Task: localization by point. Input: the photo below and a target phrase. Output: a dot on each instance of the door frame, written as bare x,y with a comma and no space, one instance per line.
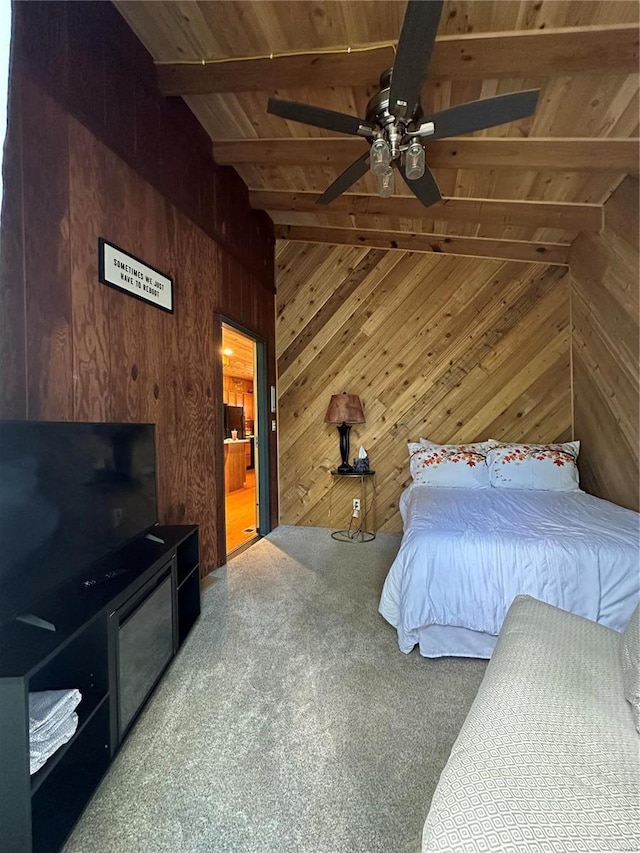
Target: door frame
261,417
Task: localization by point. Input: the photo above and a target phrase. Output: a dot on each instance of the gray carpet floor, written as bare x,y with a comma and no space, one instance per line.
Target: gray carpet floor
290,721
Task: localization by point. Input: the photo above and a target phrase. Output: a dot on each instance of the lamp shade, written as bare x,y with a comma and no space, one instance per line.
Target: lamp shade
344,409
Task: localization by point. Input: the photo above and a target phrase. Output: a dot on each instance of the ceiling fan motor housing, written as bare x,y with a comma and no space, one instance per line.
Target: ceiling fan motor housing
378,114
378,107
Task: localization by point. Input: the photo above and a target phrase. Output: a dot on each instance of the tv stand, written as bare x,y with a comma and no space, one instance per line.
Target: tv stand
105,578
37,813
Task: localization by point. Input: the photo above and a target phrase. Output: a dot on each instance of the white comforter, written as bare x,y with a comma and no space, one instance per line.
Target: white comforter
466,554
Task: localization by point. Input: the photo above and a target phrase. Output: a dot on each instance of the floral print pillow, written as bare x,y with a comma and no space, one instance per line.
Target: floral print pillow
457,466
546,467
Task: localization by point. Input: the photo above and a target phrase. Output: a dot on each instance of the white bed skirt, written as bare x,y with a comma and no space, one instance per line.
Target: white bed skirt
438,641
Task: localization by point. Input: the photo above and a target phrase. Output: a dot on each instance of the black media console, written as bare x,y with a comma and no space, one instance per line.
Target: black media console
116,630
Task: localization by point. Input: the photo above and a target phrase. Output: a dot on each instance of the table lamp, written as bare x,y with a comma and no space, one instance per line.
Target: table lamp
344,410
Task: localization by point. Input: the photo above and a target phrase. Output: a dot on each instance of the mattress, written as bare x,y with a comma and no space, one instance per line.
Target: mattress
467,553
547,759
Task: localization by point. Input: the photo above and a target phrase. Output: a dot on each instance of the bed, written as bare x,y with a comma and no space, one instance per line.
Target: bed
467,553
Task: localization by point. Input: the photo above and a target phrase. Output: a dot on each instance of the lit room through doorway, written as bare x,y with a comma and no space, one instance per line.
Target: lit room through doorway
240,437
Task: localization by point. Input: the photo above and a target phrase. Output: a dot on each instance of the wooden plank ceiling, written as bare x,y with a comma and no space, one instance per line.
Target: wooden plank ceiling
520,191
237,353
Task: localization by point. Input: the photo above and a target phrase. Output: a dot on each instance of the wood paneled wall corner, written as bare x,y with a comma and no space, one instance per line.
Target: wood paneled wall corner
605,298
453,349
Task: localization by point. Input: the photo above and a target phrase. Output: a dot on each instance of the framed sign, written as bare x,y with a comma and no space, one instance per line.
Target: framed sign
119,269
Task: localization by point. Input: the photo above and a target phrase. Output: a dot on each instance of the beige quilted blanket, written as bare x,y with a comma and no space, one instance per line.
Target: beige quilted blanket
548,759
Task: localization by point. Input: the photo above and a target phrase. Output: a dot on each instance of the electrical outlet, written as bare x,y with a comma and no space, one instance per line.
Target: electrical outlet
356,508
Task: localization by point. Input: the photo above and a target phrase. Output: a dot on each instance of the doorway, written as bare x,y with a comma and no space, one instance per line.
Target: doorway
240,425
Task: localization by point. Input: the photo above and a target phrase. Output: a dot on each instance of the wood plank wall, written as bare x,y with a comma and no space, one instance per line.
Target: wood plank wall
448,348
605,311
74,349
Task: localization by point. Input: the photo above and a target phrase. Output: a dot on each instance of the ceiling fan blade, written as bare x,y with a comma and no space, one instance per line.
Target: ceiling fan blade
350,175
318,117
415,45
487,112
425,188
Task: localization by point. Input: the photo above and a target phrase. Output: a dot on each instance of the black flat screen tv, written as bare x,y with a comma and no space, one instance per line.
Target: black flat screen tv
70,494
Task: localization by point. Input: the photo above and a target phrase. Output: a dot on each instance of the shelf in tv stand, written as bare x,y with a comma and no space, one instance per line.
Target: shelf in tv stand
45,771
188,574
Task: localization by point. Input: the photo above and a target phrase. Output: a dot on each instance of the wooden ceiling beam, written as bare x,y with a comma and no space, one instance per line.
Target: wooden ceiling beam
479,247
525,214
474,152
522,53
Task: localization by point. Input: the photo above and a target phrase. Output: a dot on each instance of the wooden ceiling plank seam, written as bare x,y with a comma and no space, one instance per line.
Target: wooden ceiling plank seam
482,247
476,152
468,56
537,214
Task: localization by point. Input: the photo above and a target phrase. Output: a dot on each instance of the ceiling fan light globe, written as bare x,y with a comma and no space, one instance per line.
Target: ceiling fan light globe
414,161
380,157
386,183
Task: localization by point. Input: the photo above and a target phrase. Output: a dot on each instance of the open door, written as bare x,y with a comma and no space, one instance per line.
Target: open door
241,425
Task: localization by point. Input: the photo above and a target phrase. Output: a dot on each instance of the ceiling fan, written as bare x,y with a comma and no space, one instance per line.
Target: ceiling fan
395,122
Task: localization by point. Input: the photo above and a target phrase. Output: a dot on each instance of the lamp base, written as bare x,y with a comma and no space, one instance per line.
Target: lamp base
344,429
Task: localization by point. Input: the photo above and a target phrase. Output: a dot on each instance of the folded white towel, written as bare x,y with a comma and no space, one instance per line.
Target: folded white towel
41,750
47,708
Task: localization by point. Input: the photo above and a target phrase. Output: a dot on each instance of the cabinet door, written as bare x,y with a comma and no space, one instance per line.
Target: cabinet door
247,403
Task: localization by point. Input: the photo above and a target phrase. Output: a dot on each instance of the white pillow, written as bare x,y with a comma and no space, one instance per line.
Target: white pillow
546,467
457,466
